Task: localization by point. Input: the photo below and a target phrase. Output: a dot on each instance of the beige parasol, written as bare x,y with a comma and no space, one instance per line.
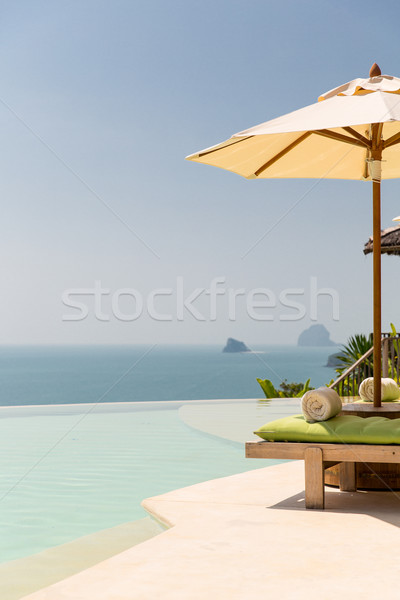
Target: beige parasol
352,132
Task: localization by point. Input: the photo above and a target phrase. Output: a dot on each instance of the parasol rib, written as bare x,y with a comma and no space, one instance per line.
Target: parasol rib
357,135
342,138
362,143
282,153
395,139
232,143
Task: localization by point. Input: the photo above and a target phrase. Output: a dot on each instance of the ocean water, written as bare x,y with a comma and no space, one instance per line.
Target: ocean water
91,374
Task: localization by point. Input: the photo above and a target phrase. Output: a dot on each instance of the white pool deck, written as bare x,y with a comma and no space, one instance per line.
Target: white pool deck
249,536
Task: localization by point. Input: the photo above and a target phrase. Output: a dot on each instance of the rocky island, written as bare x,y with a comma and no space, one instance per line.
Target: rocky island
233,345
315,335
333,360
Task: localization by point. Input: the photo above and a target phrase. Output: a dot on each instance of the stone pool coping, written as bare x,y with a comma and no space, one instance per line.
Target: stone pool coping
248,535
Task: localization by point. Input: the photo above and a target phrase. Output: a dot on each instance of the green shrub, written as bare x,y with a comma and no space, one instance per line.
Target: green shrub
288,390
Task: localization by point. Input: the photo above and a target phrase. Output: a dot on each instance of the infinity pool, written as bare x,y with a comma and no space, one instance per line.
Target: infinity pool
73,470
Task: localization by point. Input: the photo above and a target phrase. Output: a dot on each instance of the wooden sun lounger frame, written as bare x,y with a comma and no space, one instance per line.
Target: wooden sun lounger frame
319,456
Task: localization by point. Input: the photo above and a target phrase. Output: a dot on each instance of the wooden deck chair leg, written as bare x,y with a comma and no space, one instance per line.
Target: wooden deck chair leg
347,477
314,476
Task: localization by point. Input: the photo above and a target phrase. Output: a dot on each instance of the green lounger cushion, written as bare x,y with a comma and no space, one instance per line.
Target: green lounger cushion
346,429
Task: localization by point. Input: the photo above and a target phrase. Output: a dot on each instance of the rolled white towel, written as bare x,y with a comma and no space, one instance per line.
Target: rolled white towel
320,404
389,390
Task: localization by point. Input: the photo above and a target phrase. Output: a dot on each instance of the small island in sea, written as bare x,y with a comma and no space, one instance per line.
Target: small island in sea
233,345
333,360
315,335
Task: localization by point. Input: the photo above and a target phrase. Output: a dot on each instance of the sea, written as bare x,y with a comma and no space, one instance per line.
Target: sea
37,375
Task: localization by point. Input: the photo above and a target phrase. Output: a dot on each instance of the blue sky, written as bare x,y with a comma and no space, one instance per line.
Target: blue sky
99,104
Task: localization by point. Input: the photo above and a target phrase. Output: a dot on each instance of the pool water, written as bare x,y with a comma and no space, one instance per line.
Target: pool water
70,471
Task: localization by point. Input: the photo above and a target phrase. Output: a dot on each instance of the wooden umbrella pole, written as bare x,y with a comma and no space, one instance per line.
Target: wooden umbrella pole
376,192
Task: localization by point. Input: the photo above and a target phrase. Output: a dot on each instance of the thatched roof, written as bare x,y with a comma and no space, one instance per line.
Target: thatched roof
390,241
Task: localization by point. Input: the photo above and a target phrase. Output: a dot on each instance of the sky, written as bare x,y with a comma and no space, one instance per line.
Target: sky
108,236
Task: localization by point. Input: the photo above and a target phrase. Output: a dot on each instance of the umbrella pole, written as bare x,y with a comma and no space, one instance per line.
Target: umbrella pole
376,192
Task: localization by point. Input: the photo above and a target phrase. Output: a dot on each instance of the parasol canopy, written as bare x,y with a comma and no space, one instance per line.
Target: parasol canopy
352,132
331,138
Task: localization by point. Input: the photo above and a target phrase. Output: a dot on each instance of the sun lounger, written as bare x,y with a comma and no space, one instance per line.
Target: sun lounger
319,456
382,445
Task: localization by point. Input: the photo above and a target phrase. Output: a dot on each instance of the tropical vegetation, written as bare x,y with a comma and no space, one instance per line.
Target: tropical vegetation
355,348
287,390
357,345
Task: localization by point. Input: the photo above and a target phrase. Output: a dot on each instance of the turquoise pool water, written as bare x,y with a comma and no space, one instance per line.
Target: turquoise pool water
68,471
